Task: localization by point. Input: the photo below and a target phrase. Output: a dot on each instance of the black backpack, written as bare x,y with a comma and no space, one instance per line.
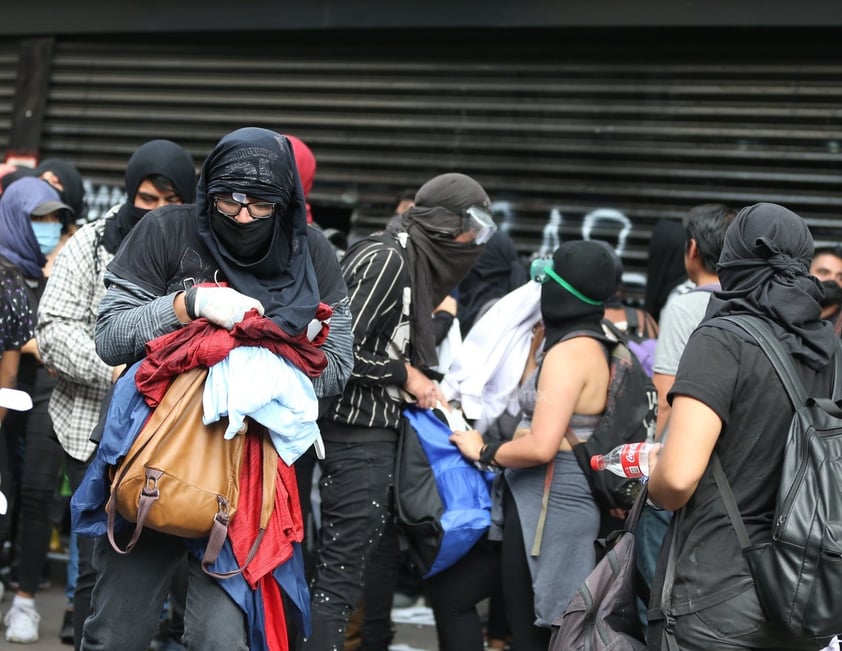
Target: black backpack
798,574
629,417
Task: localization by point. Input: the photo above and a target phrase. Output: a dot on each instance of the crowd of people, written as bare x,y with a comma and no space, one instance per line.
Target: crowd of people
239,244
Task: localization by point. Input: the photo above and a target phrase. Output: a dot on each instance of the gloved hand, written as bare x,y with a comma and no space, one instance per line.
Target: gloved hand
220,305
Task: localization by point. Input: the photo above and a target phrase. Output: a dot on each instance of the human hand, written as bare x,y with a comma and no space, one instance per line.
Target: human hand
223,306
469,443
425,391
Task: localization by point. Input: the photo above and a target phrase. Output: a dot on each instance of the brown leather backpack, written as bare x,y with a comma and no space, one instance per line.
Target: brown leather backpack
181,477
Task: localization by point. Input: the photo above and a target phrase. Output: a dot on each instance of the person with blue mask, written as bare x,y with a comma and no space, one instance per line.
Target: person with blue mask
31,216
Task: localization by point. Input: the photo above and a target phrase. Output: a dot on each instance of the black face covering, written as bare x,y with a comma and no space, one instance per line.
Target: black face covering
136,214
764,270
832,293
245,241
154,157
260,164
436,261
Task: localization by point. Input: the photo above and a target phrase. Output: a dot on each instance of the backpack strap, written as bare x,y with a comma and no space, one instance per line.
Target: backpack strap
727,494
632,320
778,357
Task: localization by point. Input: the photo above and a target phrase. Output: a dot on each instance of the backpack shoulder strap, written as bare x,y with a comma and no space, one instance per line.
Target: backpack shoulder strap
778,357
632,320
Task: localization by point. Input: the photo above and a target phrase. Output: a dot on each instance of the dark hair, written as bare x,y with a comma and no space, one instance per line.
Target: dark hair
828,249
163,183
405,195
706,224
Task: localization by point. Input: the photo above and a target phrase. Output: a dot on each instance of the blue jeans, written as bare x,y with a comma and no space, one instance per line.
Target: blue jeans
354,487
130,591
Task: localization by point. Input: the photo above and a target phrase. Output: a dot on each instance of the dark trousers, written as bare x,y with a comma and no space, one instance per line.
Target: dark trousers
455,592
381,580
130,591
42,461
738,623
354,488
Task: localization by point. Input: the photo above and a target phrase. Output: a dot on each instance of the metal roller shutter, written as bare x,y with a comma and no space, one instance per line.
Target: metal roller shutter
9,51
553,129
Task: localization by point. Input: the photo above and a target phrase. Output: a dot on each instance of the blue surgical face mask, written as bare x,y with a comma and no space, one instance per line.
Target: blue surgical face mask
47,234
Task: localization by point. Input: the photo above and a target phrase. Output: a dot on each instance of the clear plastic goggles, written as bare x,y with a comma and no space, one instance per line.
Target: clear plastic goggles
477,220
541,270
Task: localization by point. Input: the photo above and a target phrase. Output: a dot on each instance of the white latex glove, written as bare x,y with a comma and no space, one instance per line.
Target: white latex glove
220,305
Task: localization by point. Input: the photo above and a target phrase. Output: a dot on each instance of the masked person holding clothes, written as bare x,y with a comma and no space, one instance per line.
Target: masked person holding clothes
395,279
550,517
30,229
728,398
248,229
159,173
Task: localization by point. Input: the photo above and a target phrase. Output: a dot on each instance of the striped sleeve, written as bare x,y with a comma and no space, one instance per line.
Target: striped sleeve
375,279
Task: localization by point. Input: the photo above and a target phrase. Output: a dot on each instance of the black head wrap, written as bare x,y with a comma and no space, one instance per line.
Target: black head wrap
764,270
614,300
436,261
156,157
73,193
665,268
590,268
497,272
260,163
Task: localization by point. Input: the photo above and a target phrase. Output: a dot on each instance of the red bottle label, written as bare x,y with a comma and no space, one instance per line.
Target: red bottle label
630,459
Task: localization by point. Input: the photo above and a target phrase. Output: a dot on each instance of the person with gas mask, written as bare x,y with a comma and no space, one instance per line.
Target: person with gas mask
827,267
242,247
30,231
159,172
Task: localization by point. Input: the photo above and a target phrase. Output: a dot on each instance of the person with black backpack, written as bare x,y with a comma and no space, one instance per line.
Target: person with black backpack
729,430
550,514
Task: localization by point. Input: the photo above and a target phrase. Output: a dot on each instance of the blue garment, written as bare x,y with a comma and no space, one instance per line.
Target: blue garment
252,381
127,413
290,577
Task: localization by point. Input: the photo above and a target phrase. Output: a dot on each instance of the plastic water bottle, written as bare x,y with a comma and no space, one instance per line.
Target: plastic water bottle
627,460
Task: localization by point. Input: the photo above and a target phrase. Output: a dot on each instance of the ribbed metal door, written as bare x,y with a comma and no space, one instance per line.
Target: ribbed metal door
552,130
8,75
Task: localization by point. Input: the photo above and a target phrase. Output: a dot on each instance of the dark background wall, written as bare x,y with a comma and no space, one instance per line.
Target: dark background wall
559,109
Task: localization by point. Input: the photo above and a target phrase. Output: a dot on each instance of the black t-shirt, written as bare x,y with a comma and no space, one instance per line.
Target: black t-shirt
733,377
165,254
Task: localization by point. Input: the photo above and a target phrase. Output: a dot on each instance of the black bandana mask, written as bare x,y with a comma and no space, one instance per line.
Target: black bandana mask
832,293
249,241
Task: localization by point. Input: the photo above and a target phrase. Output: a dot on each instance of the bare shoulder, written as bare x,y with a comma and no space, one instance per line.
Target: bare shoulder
578,358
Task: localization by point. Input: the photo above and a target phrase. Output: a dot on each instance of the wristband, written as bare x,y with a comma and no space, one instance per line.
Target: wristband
190,302
487,453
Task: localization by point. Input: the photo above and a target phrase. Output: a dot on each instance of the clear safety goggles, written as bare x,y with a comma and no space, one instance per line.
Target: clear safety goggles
541,270
477,220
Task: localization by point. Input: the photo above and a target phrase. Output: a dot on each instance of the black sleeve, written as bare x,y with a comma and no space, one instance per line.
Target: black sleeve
441,325
148,257
708,370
